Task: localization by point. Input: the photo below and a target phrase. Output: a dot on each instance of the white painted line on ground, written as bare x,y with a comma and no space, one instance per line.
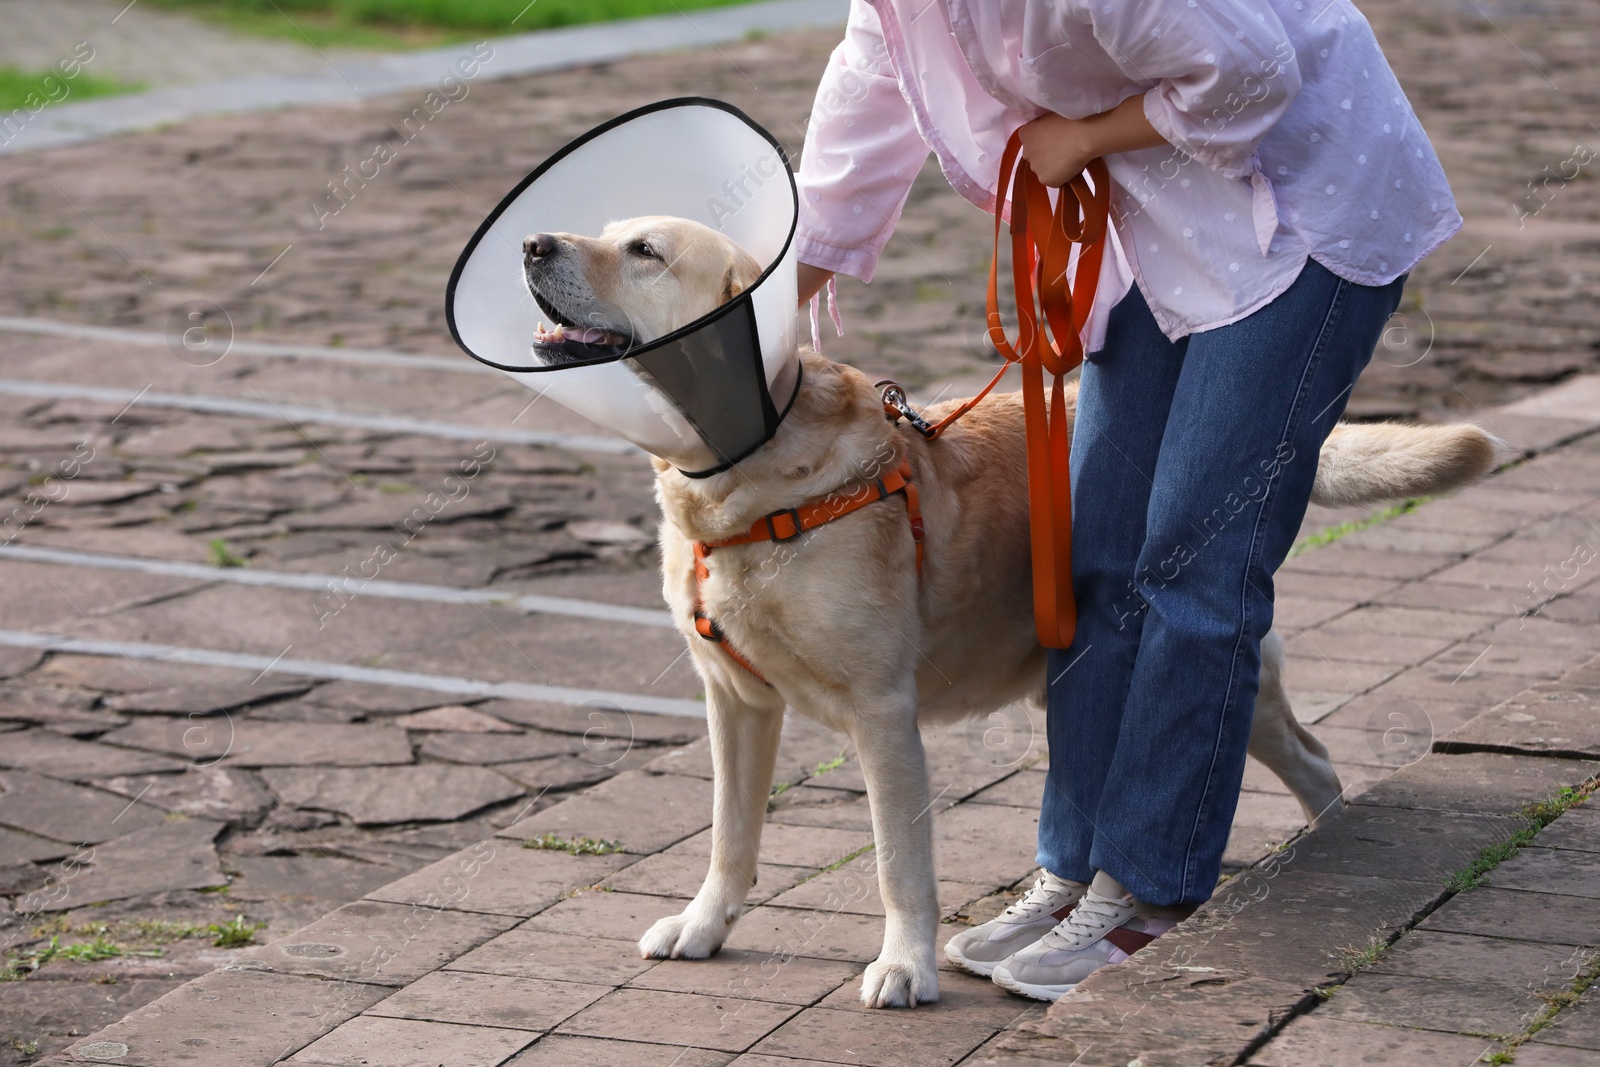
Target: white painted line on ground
258,409
343,585
342,672
149,339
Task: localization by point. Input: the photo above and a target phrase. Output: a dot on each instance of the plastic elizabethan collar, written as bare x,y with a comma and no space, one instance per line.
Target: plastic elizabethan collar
705,395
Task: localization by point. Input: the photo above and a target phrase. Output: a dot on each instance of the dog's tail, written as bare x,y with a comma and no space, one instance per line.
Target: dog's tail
1368,463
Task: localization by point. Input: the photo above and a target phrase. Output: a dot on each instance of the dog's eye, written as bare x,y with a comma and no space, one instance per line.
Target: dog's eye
642,248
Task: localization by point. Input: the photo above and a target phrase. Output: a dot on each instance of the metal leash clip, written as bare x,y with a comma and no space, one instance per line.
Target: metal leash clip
897,406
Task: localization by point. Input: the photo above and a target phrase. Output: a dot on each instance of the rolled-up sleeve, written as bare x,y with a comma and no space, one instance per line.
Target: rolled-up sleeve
1223,72
862,153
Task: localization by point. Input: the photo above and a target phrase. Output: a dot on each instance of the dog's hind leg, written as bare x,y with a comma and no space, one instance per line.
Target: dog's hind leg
1287,748
890,747
744,749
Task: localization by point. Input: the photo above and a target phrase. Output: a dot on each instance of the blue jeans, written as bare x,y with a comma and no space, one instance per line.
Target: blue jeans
1192,466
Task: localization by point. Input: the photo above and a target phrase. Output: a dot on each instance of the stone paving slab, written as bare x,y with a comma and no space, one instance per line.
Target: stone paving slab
1539,1054
1485,783
47,752
490,1000
531,953
248,743
157,859
67,813
1490,912
1576,830
267,1017
1578,1027
430,792
412,1043
751,975
644,813
500,878
678,1019
1308,1044
1446,1004
561,1051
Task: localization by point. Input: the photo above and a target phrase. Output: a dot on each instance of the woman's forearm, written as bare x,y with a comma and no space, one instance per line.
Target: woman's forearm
1124,128
812,279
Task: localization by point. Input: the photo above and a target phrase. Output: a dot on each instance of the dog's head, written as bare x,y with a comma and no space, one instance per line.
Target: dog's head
639,280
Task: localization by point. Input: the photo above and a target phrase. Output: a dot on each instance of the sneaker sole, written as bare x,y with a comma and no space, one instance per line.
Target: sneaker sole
980,967
1050,993
971,966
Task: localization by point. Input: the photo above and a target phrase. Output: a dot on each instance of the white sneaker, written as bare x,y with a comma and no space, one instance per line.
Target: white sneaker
1103,929
979,949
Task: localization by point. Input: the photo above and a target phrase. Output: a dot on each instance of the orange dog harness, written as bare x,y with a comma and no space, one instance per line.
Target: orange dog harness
790,523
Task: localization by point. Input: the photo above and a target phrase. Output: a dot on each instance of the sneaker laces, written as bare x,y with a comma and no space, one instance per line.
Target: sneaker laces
1092,919
1038,901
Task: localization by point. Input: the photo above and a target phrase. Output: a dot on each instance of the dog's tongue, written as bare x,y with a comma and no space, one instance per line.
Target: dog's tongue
586,336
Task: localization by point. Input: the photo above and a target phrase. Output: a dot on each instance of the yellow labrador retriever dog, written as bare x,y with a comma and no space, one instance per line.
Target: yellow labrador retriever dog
840,622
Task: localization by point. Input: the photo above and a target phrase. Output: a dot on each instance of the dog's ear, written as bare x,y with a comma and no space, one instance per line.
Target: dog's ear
740,275
732,286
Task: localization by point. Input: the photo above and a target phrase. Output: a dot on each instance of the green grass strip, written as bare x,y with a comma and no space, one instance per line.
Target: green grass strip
1323,538
1539,815
577,846
35,90
416,23
1554,1004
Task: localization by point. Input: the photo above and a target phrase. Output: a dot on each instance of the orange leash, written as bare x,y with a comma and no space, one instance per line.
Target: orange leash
1051,316
1039,269
790,523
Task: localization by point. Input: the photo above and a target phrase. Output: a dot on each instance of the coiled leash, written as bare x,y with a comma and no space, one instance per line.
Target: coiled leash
1051,316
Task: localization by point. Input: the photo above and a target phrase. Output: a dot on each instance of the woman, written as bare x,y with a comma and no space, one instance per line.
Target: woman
1271,188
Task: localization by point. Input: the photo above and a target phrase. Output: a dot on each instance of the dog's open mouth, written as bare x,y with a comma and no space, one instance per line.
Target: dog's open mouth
567,342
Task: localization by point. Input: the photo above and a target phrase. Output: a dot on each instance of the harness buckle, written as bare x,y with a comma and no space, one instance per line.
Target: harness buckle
707,627
793,515
897,406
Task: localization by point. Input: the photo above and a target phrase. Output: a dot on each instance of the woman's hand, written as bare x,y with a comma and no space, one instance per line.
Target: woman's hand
1058,148
811,280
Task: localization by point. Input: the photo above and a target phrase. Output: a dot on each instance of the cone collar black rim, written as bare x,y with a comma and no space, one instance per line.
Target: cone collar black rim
744,301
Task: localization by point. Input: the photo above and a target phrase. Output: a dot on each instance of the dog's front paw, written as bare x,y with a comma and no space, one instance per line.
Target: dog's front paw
891,983
689,935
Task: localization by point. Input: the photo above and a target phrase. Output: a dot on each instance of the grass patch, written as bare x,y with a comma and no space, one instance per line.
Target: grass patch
223,556
1554,1004
577,846
829,765
17,86
415,23
1359,959
235,933
1323,538
143,931
18,965
1539,815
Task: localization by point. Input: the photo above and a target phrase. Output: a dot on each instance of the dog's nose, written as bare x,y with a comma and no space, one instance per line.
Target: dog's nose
538,245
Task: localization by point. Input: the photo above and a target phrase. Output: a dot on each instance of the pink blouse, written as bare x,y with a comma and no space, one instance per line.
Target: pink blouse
1289,138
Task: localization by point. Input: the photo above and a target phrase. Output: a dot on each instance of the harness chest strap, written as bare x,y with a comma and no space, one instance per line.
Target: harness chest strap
789,524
